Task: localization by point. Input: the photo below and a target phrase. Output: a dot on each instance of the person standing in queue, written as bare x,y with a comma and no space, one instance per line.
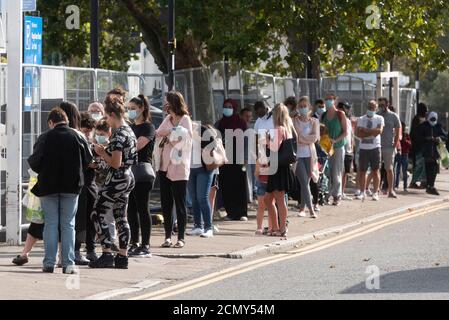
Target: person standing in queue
232,179
139,200
120,154
176,131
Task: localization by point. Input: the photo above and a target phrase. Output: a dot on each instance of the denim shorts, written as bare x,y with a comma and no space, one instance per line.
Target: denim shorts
261,188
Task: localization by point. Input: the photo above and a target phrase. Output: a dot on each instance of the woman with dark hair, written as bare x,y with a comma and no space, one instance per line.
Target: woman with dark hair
73,114
232,179
59,162
139,199
176,132
120,154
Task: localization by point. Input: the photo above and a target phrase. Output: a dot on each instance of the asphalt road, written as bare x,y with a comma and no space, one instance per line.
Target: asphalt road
412,258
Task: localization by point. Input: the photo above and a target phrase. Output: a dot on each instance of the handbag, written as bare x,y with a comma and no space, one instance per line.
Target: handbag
157,152
143,172
216,157
287,152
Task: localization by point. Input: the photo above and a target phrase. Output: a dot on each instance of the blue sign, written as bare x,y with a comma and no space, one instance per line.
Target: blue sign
32,40
29,5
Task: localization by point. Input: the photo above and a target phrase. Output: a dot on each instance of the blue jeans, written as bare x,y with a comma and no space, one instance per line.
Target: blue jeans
199,185
400,163
59,210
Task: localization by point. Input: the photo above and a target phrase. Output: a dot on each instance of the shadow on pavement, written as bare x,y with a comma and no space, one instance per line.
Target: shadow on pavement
431,280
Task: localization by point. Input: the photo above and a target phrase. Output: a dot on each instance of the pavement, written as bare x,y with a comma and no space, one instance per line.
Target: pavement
200,256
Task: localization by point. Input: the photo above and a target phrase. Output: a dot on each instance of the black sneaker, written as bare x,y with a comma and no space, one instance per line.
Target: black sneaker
413,186
121,262
80,260
115,248
133,248
48,269
140,252
106,260
91,256
432,191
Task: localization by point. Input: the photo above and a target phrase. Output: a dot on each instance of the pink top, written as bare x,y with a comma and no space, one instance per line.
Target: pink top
177,153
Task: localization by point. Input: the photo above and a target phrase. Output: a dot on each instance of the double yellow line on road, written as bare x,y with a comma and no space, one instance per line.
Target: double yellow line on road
255,264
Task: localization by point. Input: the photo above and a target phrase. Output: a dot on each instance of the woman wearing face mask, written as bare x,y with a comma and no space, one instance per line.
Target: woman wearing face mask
308,130
174,171
430,134
232,179
96,110
139,199
120,155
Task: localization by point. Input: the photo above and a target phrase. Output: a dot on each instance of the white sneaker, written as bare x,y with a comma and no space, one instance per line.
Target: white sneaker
195,232
216,230
375,196
360,196
346,198
243,219
357,193
302,214
208,234
369,193
316,208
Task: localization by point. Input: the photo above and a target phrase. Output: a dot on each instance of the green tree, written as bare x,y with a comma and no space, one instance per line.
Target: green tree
119,34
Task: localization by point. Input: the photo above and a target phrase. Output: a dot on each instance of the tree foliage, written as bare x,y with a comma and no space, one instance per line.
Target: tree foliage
119,34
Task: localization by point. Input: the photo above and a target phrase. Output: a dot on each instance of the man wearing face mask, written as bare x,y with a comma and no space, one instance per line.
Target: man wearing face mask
319,109
335,121
369,130
389,140
430,134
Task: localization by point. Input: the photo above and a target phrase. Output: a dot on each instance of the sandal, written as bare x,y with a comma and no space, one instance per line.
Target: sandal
259,232
167,243
180,244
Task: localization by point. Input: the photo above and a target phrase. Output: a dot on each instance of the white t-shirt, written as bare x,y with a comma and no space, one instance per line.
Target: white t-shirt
303,151
348,147
370,143
265,123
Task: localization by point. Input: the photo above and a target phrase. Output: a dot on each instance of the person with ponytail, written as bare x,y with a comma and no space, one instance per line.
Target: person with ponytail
139,199
120,154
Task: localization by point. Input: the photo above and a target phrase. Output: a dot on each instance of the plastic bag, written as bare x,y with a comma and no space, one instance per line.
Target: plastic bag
444,155
33,209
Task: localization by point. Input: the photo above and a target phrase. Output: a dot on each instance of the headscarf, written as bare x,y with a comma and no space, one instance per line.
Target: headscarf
233,122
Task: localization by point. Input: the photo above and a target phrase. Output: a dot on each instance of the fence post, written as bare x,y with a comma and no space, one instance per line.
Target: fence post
95,84
239,72
14,124
192,93
274,91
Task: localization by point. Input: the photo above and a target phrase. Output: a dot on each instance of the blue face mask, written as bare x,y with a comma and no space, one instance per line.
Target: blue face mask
370,113
132,114
303,111
101,139
228,112
320,111
329,104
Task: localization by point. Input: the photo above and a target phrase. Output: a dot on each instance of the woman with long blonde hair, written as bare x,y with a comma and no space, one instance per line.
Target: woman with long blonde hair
282,180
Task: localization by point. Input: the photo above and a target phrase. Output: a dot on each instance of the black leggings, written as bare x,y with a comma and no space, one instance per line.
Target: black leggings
173,191
314,190
139,212
431,171
85,229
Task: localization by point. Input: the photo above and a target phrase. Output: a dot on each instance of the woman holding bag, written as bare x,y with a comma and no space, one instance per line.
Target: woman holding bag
282,180
308,130
139,199
174,168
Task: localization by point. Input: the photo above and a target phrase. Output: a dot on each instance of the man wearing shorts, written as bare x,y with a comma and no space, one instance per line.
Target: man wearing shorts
389,141
369,130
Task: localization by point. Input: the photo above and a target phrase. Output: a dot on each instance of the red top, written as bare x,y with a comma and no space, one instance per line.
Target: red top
406,144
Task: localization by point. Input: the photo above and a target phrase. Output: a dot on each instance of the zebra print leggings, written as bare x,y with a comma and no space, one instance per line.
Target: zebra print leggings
113,199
